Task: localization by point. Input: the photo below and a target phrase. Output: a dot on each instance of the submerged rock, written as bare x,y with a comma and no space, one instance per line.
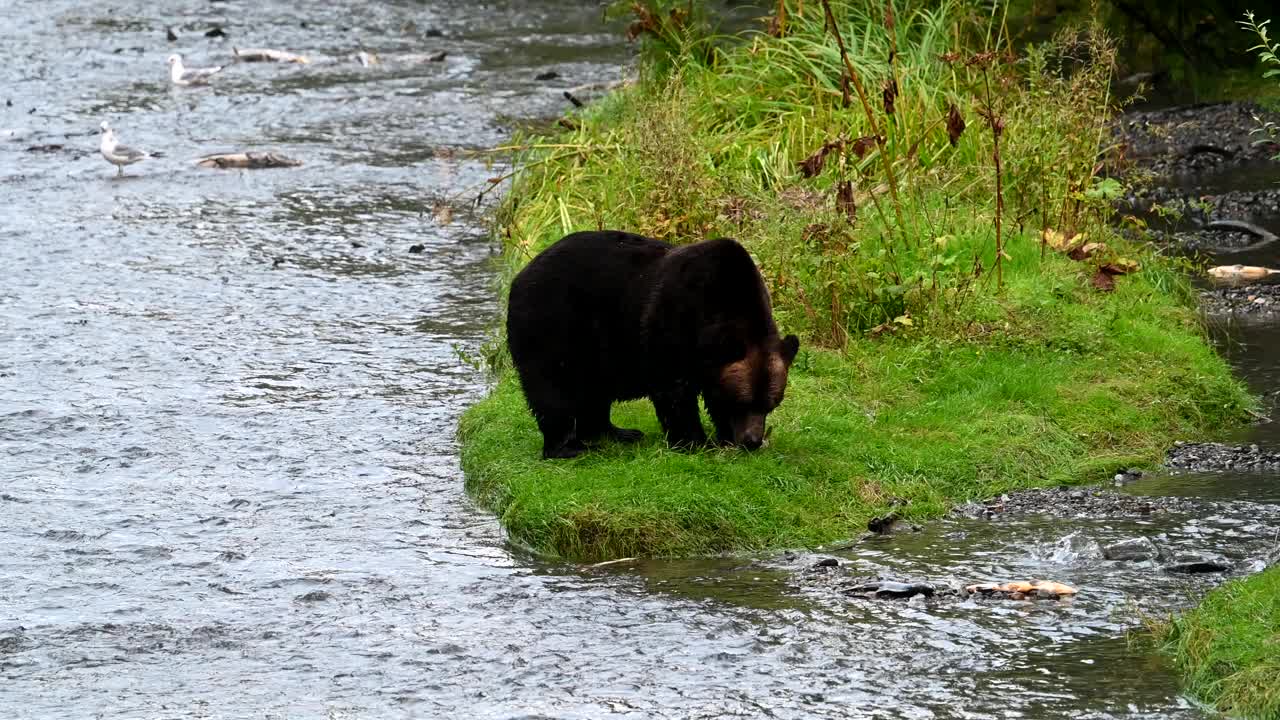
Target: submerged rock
1133,549
1196,563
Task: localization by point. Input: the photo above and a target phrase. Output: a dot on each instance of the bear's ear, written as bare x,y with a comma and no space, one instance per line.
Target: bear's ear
790,346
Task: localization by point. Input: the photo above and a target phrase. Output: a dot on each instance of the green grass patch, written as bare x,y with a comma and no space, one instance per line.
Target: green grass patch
947,352
908,424
1228,648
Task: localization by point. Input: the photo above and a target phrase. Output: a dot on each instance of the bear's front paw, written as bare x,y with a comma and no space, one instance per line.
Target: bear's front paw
564,451
687,442
625,435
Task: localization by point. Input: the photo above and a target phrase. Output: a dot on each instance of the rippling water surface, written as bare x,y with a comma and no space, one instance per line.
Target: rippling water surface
227,403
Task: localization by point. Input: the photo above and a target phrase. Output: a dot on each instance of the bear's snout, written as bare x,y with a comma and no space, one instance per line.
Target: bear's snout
748,431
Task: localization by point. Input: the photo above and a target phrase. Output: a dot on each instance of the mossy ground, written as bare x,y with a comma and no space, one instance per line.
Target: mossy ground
934,369
1228,648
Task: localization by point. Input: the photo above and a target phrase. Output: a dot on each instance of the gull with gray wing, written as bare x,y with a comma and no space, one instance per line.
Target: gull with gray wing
116,153
180,74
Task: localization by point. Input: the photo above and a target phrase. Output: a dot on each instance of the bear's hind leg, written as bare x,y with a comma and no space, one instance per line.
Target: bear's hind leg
594,424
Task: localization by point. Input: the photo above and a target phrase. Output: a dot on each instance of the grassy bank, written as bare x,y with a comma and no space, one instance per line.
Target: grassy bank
952,345
1228,648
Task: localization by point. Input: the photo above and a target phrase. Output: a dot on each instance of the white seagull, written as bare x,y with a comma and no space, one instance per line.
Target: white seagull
182,75
115,153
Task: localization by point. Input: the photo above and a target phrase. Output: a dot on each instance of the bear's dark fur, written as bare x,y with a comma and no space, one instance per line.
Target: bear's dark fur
606,316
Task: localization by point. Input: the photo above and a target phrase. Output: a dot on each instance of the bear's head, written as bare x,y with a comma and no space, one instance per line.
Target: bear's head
741,392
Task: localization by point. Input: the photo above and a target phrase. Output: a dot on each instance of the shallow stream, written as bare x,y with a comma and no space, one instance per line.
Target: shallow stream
227,407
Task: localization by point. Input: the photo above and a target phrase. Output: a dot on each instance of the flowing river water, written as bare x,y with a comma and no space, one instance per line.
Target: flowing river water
228,400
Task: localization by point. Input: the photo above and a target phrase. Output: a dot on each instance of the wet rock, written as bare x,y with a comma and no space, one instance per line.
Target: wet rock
215,32
1124,477
826,563
1219,456
1131,550
417,249
313,596
891,589
65,535
14,642
1196,563
438,57
891,524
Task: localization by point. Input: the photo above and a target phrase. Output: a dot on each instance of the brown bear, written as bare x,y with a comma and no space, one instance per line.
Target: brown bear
605,316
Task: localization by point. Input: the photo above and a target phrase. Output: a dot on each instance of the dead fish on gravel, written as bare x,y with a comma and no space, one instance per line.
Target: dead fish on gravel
1021,589
247,160
267,55
1238,273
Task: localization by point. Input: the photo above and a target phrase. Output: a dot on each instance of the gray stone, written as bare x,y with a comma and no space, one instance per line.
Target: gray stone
1139,548
1195,563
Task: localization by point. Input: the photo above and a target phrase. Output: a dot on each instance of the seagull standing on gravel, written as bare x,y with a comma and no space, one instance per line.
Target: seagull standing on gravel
181,75
115,153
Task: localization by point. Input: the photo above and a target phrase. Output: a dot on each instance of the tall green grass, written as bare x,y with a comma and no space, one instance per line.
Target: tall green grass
716,148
